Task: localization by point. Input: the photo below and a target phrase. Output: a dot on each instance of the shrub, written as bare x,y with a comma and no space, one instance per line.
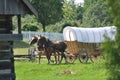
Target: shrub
29,27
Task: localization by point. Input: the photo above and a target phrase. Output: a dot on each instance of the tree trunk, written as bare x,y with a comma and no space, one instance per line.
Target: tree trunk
43,26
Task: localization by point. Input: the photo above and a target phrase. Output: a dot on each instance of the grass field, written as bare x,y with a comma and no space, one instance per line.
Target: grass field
26,70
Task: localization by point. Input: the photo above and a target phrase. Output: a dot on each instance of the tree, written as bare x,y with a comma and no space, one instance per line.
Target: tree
59,26
112,49
80,11
96,13
71,11
49,11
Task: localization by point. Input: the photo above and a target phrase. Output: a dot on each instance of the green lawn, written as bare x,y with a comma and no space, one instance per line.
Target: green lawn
26,70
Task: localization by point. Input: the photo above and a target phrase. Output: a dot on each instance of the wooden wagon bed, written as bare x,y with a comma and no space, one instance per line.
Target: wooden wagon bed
79,49
74,47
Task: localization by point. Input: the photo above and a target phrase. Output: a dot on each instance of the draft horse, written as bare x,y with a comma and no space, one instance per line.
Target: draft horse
57,48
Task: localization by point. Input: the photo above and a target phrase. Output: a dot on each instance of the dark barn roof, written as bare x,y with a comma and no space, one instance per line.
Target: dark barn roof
16,7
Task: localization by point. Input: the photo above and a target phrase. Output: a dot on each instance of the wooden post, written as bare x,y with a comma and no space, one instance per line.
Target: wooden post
13,64
19,24
7,68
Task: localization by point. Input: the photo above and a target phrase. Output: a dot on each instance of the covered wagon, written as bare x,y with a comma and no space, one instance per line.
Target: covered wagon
84,43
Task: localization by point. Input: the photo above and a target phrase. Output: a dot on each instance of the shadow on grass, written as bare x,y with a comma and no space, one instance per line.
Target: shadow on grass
76,62
68,63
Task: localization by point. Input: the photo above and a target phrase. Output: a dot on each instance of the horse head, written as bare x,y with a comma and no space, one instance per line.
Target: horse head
34,40
42,40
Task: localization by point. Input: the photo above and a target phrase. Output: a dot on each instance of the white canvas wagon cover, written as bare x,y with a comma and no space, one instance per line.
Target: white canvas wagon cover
89,35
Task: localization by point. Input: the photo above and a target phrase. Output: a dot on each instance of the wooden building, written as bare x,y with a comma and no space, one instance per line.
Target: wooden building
8,9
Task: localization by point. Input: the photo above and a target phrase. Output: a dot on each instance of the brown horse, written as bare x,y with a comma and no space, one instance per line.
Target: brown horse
37,52
49,47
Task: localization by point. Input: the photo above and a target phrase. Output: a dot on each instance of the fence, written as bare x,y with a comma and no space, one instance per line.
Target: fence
27,35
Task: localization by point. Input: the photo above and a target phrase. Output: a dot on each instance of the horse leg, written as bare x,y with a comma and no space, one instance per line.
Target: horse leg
55,56
63,56
48,56
58,57
39,57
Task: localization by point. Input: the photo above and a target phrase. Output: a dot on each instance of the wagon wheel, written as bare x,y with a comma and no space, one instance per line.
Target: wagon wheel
95,56
31,54
70,58
83,56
